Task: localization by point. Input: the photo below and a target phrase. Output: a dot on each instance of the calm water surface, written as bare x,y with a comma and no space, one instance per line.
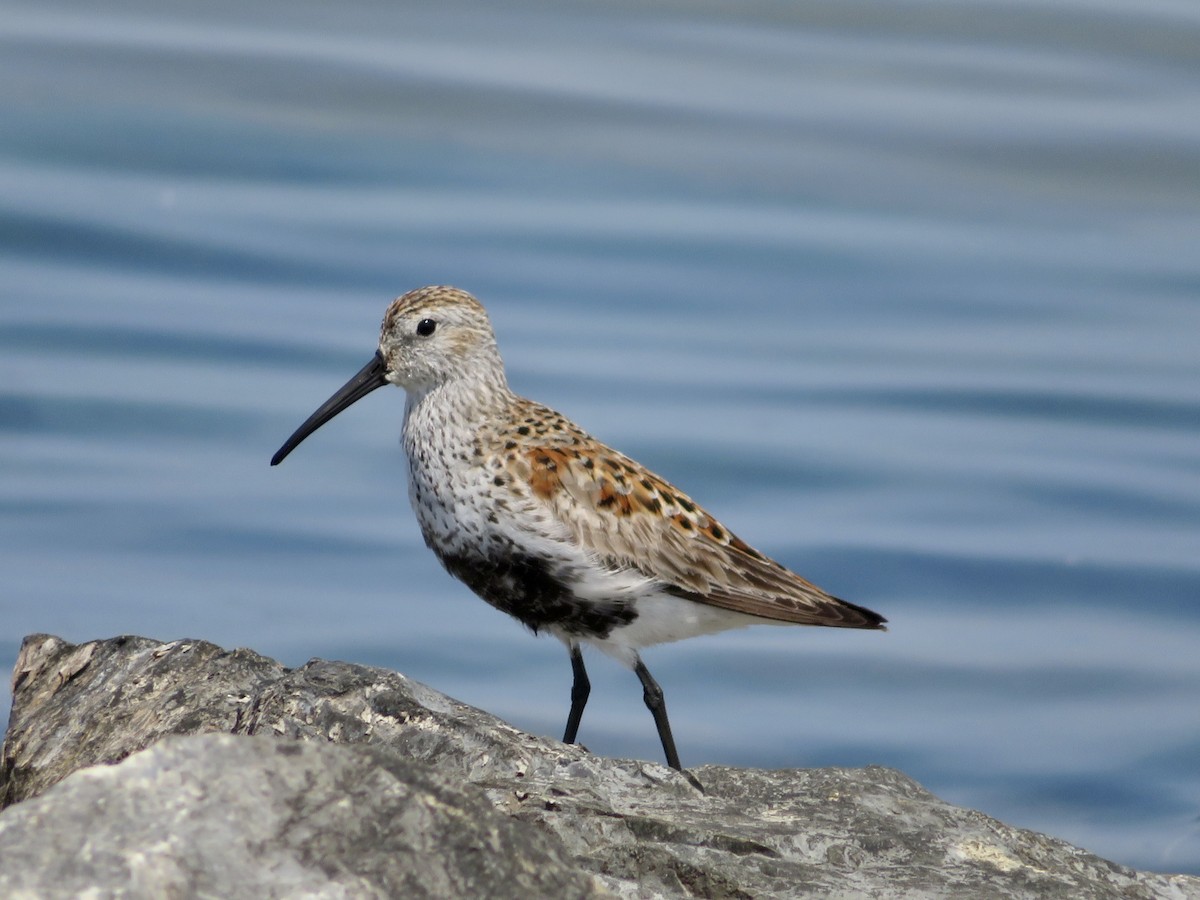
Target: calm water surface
907,294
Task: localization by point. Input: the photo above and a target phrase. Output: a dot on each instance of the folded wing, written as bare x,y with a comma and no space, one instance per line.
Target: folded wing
628,517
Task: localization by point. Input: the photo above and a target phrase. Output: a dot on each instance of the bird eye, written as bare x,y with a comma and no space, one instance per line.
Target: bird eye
425,327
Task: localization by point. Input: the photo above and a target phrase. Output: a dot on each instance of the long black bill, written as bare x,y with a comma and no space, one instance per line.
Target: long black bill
369,377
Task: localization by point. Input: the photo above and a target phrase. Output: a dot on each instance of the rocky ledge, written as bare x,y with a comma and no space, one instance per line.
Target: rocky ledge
136,768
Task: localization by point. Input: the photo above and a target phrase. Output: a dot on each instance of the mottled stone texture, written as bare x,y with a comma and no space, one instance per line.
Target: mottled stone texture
429,797
217,815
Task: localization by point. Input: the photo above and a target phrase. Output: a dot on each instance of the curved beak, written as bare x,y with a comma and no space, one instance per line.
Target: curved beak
369,377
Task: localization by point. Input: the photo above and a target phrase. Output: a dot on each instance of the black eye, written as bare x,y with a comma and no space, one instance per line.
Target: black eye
425,327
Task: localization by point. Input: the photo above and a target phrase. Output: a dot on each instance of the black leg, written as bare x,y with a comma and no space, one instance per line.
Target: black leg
580,688
658,708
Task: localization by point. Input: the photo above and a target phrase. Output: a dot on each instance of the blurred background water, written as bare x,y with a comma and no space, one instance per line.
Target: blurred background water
906,293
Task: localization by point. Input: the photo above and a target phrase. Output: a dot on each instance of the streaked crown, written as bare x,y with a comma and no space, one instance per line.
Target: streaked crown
438,334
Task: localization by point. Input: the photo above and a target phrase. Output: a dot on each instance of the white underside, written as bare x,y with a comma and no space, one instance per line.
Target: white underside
663,618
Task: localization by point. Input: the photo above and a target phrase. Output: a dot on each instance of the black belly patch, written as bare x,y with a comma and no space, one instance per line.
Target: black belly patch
526,589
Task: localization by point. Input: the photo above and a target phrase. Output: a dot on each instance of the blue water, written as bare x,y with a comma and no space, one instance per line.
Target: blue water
908,294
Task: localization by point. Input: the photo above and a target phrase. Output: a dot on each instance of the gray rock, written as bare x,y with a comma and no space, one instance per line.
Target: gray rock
638,829
78,705
222,816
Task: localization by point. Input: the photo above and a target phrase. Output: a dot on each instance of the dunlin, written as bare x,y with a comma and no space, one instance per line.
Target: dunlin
551,526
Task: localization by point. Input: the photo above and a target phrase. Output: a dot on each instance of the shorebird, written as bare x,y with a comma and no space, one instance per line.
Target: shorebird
551,526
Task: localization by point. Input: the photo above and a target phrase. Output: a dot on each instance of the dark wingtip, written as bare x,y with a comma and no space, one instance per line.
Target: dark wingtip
866,618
